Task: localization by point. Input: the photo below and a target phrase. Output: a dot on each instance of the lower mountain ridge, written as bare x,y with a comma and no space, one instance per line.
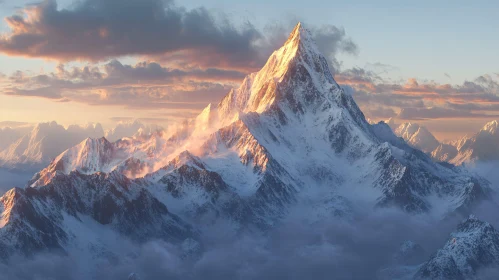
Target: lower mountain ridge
471,250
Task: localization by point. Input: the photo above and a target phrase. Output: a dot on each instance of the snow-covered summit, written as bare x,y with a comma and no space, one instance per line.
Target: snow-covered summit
491,127
299,64
88,157
417,136
482,146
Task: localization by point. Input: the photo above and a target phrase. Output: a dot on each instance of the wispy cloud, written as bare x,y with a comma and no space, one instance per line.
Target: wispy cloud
415,100
144,85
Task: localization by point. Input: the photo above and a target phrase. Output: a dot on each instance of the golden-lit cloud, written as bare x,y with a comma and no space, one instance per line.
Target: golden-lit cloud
416,100
143,85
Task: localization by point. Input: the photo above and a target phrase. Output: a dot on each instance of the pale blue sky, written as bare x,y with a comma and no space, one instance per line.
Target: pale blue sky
422,39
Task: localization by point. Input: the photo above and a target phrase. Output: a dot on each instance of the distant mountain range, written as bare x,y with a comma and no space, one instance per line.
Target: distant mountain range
482,146
33,147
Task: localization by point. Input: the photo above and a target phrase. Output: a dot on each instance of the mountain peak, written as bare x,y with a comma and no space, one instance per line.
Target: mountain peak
300,40
298,67
472,223
299,35
473,246
491,127
417,136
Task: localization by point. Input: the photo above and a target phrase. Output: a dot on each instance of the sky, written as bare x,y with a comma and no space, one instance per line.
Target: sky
430,62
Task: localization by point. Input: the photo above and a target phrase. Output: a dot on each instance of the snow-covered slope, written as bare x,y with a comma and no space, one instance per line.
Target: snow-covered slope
482,146
62,213
444,152
288,136
417,136
134,156
473,246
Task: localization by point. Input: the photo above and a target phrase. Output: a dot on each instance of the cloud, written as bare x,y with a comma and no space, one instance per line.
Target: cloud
144,85
98,30
102,29
382,112
330,40
417,100
145,120
13,124
439,113
380,68
347,249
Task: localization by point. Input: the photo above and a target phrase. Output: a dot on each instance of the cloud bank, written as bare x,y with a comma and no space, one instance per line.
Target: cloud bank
355,249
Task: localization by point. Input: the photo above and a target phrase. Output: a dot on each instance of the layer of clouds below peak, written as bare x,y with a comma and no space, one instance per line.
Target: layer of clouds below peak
347,249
